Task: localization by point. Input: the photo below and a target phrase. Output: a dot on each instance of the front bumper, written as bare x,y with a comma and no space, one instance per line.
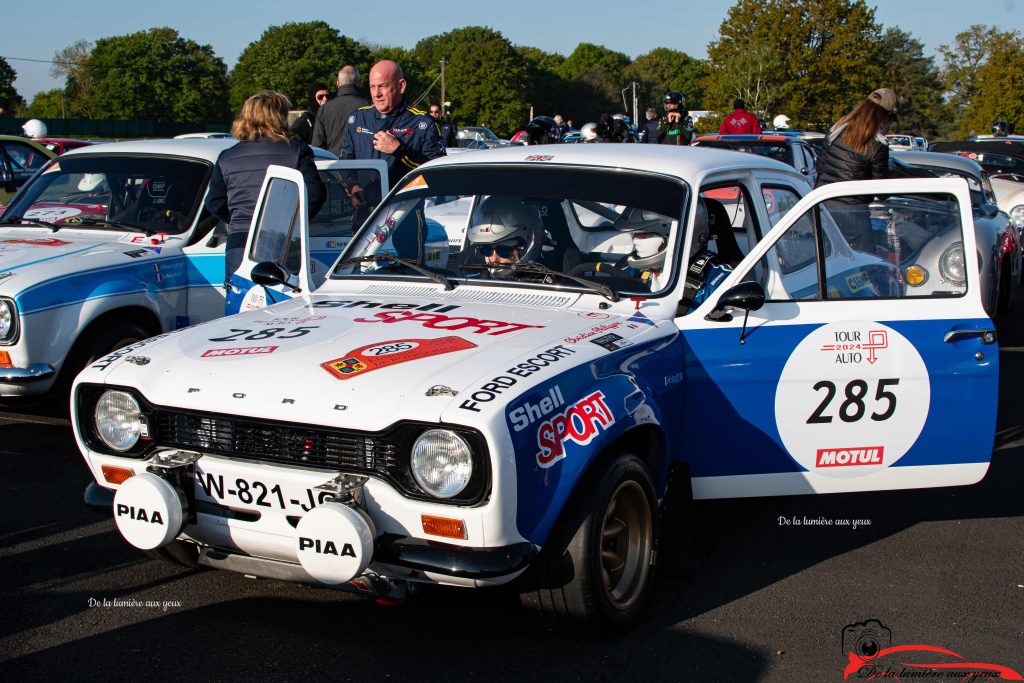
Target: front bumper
32,373
462,562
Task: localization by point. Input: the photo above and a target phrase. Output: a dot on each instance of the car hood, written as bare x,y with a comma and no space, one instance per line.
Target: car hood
1009,193
27,258
375,361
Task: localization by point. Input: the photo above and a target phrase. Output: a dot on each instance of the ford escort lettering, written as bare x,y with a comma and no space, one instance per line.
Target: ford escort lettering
531,398
110,244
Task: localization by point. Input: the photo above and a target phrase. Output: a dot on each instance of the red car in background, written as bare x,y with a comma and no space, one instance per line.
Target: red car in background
61,145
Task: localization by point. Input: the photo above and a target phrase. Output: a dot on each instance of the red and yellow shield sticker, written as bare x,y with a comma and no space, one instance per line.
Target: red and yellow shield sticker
383,354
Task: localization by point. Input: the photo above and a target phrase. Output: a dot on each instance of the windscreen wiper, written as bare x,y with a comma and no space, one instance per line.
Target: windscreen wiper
33,221
439,278
93,222
534,267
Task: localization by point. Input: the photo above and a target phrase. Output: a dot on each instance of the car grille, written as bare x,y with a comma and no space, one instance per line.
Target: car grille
292,445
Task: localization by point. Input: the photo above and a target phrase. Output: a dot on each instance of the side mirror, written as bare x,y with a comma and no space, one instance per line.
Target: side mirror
746,296
268,273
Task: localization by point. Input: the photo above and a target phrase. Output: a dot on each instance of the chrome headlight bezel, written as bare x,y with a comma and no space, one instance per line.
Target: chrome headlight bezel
9,327
441,463
953,265
1017,216
118,420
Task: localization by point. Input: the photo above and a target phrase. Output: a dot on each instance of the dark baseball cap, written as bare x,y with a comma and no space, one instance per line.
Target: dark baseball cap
886,99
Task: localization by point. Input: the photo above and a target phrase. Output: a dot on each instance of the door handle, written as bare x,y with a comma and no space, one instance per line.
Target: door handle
986,336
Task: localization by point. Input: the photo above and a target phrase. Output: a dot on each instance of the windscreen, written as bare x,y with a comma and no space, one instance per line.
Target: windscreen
149,193
542,225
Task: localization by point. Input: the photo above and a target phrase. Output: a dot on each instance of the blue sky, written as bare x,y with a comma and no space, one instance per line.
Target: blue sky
557,26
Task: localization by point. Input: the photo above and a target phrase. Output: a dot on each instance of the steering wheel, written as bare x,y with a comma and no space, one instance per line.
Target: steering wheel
613,275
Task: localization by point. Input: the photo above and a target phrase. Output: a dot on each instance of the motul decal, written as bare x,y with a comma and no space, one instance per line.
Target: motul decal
844,457
579,423
244,351
386,353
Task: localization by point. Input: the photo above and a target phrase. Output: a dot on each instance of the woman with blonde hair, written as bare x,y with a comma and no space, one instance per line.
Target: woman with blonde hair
856,148
264,139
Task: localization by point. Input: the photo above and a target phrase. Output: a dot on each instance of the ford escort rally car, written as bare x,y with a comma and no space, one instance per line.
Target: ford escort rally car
110,244
621,329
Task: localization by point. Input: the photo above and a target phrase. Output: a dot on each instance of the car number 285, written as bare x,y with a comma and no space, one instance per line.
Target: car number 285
251,492
854,405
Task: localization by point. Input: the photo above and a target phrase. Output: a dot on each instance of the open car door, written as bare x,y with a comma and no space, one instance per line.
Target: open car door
849,351
281,231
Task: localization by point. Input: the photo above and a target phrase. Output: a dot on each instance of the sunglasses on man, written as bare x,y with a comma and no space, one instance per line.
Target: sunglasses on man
321,96
502,250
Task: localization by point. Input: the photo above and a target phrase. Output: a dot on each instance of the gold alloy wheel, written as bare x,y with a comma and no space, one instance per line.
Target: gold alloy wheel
627,536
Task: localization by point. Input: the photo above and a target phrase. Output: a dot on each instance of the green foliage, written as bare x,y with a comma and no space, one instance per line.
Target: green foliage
915,79
157,75
809,59
586,56
71,64
7,76
485,77
999,93
547,91
963,58
662,70
291,57
48,104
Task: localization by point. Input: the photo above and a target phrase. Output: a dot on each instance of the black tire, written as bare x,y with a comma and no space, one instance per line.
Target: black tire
94,345
177,552
599,581
1004,297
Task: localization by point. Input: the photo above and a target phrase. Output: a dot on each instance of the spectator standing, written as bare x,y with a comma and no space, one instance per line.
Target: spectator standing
649,128
676,127
447,127
303,126
333,116
264,139
856,148
563,127
740,121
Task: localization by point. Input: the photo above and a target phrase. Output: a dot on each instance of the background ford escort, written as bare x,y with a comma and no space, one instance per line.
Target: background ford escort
109,245
541,408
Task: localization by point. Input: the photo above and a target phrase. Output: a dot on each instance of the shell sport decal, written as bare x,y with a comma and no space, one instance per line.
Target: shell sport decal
852,399
384,354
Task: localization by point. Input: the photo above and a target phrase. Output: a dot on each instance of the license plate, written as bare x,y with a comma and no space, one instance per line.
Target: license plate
259,492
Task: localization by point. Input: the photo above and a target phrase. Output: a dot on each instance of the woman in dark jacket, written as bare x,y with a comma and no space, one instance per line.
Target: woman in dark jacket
262,131
856,148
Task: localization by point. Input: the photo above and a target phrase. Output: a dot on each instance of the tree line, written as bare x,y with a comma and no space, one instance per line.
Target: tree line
811,60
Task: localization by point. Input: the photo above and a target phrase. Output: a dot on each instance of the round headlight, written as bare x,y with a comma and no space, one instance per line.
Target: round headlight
442,463
1017,216
118,420
6,320
951,265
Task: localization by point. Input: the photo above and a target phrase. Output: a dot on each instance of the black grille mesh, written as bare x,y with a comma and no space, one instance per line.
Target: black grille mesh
283,444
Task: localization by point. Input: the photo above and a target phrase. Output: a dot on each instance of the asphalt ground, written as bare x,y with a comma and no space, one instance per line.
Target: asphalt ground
764,601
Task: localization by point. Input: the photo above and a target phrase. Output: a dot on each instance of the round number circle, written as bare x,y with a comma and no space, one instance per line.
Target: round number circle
852,399
52,214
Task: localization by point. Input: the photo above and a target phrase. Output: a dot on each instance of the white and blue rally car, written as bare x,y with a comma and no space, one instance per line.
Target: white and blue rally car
608,332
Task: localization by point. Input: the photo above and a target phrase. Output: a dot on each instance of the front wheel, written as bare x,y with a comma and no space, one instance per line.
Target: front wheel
600,581
94,345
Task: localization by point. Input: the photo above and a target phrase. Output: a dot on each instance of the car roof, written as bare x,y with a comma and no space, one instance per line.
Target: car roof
993,146
200,148
683,162
943,159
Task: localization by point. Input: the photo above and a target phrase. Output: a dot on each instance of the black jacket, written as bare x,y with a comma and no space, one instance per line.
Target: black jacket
238,177
649,132
333,117
837,162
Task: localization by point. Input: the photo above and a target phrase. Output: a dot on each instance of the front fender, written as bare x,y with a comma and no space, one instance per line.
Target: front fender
561,427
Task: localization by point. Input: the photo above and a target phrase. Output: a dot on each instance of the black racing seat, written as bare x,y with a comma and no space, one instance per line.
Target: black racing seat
720,228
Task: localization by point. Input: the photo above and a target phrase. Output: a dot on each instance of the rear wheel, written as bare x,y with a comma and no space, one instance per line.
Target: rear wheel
600,580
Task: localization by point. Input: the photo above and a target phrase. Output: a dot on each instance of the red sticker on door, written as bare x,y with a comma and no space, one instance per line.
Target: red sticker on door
383,354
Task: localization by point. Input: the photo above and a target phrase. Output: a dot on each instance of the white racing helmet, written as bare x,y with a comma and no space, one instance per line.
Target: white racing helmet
34,128
90,181
781,122
650,240
505,221
588,131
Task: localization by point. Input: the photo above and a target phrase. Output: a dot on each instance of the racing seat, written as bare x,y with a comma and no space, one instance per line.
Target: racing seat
721,230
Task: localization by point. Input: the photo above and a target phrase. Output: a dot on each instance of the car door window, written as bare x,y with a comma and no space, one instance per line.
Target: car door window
25,159
739,211
883,247
277,239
